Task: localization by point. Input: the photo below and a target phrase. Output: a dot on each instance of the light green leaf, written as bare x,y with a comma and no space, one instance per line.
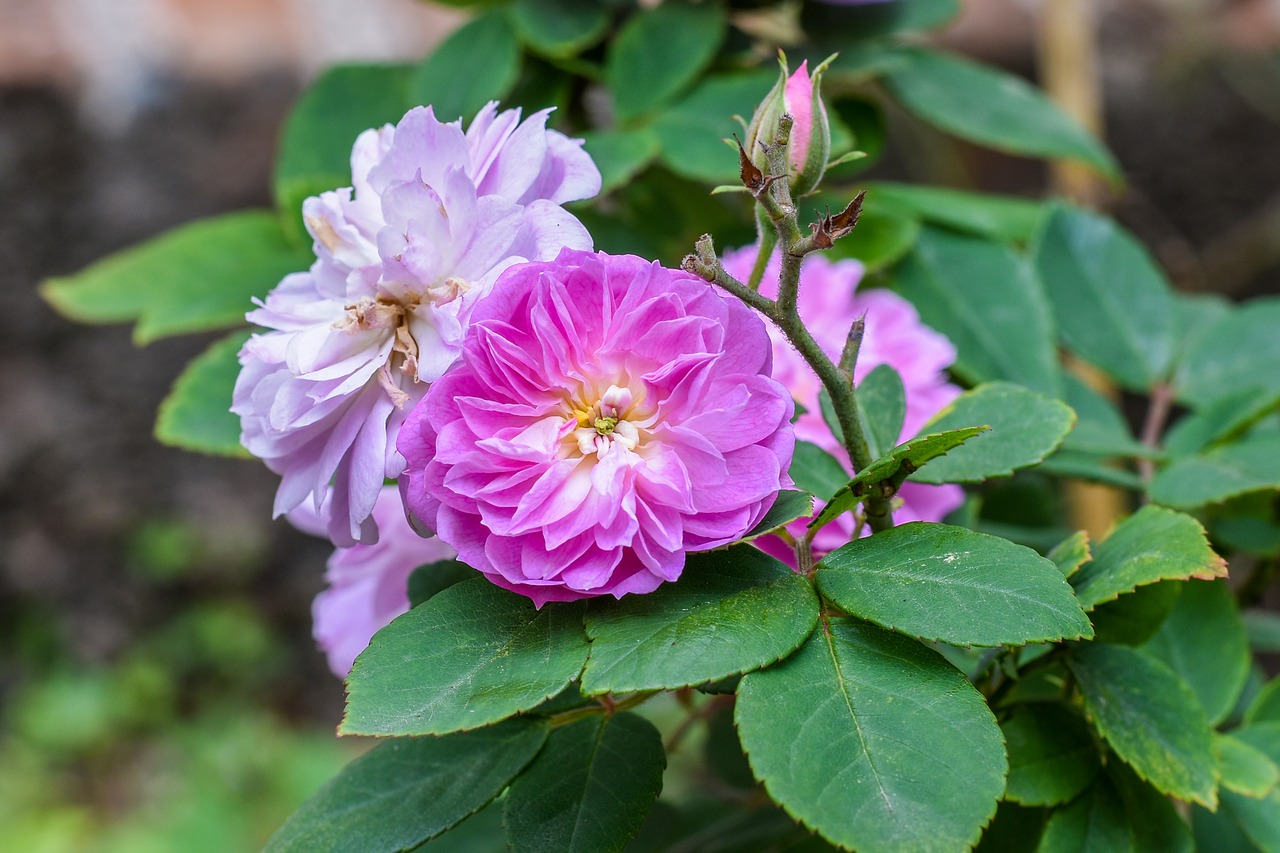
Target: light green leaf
1224,420
988,300
1245,769
1239,352
691,130
939,582
1091,468
1259,818
1250,465
480,62
408,790
1150,717
995,217
499,655
1051,755
559,28
620,155
1265,707
901,461
589,790
817,471
315,145
987,106
787,507
659,51
1204,642
1112,303
196,414
1151,545
1071,553
197,277
731,611
882,407
873,741
1025,428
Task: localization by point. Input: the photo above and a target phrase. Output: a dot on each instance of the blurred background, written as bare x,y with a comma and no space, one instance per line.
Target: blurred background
159,688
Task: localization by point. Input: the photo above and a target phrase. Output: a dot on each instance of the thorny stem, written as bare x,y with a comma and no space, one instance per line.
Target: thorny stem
606,706
1153,426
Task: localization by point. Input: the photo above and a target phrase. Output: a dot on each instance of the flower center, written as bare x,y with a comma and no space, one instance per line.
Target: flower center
604,422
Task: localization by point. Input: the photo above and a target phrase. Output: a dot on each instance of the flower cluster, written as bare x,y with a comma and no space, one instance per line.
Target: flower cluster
829,303
607,416
403,256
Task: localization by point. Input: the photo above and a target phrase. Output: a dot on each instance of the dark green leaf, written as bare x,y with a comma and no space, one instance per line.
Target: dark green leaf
995,217
1224,420
589,790
1112,303
1014,829
817,471
1150,717
1263,628
1225,472
472,655
1151,545
724,753
1218,832
480,833
659,51
1025,428
194,278
1203,641
901,461
1071,553
1092,469
1134,618
947,583
1239,352
731,611
691,131
1100,428
1051,755
990,107
620,154
426,581
479,62
408,790
988,300
1259,818
1245,769
1265,707
559,28
196,415
882,406
874,741
315,146
788,506
1095,821
1256,536
1153,820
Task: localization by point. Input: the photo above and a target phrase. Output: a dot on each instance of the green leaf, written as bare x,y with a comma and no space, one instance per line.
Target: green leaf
479,63
1112,303
995,217
1218,832
817,471
1151,545
1071,553
1134,618
1260,819
1100,428
787,507
1204,642
939,582
620,155
691,130
1153,820
1263,628
987,106
987,299
1095,821
408,790
1025,428
501,656
196,414
480,833
432,578
315,145
660,51
1224,420
1150,717
589,790
1251,465
873,741
1091,468
197,277
559,28
880,240
1265,707
1245,769
902,460
882,407
1238,352
1052,757
1014,829
731,611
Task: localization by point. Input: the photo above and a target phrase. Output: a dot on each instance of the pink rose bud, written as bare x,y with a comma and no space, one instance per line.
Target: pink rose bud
800,95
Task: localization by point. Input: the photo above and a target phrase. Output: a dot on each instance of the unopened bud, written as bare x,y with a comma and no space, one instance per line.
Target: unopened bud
798,95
